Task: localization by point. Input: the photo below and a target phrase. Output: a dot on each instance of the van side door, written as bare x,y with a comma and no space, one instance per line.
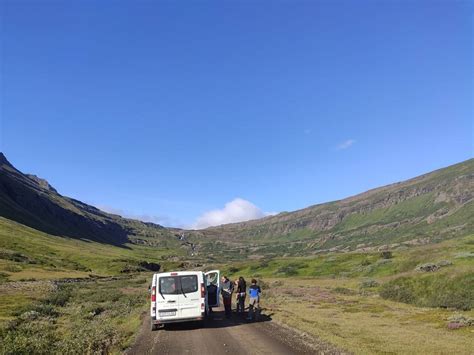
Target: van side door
213,284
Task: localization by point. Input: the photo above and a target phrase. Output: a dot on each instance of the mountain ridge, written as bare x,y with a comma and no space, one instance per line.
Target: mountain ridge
32,201
432,206
417,208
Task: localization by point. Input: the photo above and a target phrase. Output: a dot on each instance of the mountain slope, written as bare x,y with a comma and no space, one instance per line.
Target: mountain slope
433,206
31,201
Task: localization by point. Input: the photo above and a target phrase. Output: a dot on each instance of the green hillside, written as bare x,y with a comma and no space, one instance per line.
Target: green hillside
26,254
74,277
31,201
430,208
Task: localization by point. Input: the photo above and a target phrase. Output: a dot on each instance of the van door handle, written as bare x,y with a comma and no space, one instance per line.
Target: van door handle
171,301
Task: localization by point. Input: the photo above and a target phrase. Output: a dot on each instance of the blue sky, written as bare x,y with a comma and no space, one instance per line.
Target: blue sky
169,112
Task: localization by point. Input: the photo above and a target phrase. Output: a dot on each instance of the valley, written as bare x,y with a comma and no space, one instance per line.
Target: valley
378,272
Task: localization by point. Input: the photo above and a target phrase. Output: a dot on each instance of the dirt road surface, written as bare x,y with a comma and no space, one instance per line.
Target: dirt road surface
220,336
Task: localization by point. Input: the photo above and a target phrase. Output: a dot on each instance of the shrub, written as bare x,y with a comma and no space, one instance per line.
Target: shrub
46,310
233,270
263,285
3,277
28,338
291,269
60,297
444,263
386,254
365,262
344,291
401,290
432,291
368,284
90,338
288,270
12,268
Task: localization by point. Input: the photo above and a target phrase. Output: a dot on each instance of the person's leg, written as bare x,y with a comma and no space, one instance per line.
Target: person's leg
242,304
251,305
227,306
257,310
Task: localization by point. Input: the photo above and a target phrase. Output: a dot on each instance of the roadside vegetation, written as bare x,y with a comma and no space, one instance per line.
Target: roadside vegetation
377,302
92,317
60,295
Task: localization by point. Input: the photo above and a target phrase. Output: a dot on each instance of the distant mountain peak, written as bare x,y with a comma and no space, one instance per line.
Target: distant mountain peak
4,160
32,201
43,183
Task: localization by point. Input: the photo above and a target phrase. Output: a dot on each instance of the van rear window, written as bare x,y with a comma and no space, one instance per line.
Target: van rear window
189,283
174,285
168,285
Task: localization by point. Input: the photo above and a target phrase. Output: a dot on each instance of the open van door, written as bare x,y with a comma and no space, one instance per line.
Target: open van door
213,284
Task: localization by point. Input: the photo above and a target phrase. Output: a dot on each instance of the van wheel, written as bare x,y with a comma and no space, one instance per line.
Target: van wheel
153,327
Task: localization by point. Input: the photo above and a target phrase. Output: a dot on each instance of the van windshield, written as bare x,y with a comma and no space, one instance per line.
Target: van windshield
173,285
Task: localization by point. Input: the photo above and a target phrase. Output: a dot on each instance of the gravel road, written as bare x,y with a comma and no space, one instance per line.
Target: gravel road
220,335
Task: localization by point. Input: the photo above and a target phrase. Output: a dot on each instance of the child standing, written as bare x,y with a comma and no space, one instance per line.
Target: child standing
254,300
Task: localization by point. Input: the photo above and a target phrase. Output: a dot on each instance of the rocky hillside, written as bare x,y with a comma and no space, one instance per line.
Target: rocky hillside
32,201
433,206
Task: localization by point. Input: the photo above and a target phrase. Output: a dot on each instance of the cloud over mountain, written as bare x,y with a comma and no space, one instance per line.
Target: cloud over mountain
237,210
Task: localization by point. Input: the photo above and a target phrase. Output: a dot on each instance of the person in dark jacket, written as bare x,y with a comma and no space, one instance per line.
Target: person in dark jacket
254,299
241,294
227,288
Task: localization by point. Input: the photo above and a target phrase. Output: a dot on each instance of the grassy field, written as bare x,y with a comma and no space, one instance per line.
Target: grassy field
360,321
350,300
93,317
41,315
26,253
365,303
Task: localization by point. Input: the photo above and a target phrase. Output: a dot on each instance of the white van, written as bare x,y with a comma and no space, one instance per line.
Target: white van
183,296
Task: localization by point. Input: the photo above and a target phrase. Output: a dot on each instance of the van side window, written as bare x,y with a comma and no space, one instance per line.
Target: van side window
212,279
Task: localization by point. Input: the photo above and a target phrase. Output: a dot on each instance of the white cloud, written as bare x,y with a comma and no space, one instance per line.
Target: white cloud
237,210
346,144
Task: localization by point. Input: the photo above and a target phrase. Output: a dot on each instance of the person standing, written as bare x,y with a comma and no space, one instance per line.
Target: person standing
227,287
241,294
254,300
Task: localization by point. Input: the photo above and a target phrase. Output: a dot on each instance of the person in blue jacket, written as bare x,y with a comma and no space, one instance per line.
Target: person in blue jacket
254,299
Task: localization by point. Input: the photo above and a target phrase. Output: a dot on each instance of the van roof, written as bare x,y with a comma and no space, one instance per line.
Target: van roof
178,273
